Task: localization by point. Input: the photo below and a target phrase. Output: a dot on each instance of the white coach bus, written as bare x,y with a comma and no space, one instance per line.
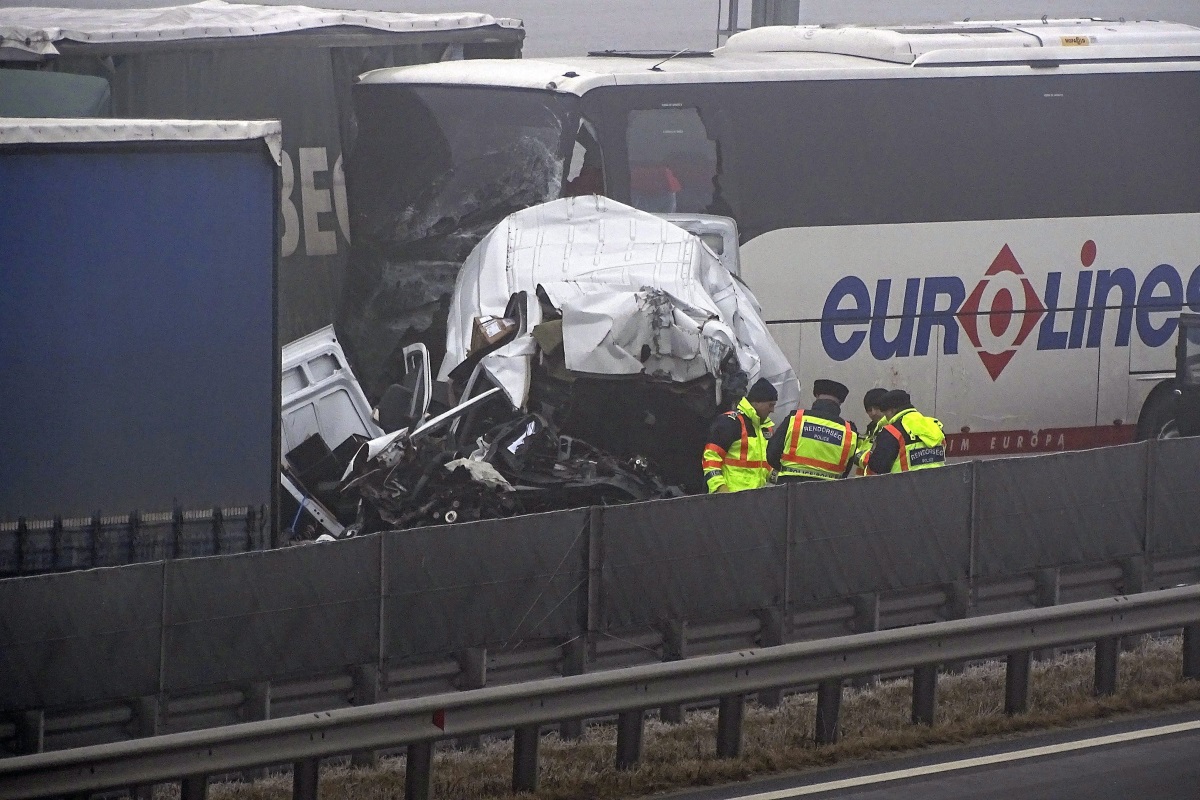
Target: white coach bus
1001,217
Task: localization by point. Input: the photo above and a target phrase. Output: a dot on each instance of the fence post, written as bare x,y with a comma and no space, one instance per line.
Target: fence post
1107,650
135,524
525,759
31,732
147,715
829,705
94,545
1191,651
730,712
866,620
305,776
218,529
629,738
924,700
771,634
674,648
594,612
958,606
22,544
417,771
56,537
194,788
177,531
366,692
472,666
574,663
256,706
1016,683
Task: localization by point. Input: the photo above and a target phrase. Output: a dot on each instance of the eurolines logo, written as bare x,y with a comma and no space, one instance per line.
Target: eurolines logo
1004,310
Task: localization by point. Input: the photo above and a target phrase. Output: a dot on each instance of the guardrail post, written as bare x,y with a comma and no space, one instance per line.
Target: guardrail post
866,620
31,732
22,544
194,787
629,738
730,711
178,550
525,759
924,700
305,775
366,692
1107,650
472,665
1016,683
146,718
771,634
574,663
958,606
1191,651
256,706
674,648
1047,592
417,771
1133,581
829,706
56,542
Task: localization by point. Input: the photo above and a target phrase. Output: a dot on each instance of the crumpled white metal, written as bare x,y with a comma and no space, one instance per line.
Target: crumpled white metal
637,293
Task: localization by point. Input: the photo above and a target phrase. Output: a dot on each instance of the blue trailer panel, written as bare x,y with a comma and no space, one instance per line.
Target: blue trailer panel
138,347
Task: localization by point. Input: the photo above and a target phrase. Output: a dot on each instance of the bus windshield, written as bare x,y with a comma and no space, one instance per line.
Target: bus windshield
432,170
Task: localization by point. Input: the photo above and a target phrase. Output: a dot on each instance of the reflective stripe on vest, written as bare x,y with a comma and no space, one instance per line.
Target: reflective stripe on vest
744,450
816,447
916,455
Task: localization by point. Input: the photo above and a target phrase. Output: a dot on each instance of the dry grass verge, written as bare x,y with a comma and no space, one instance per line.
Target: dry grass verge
874,723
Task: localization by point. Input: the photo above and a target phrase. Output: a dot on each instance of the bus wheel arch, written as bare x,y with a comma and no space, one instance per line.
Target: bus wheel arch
1157,418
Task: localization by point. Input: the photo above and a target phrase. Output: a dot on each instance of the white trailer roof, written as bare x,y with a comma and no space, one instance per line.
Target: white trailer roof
790,52
35,30
23,130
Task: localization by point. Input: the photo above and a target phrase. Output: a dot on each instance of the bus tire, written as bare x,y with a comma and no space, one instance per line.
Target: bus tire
1157,420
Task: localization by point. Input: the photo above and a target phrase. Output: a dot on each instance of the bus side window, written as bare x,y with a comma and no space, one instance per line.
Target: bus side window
585,173
672,160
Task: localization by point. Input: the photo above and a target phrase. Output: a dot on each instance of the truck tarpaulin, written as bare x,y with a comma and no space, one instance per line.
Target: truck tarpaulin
217,60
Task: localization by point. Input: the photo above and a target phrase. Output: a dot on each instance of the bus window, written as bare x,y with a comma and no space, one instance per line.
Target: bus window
672,160
585,172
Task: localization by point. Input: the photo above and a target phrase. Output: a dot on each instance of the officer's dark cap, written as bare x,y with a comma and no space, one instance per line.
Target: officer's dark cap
762,392
833,389
873,398
895,399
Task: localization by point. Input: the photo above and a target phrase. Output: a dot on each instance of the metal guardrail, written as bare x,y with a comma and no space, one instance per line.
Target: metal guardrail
523,708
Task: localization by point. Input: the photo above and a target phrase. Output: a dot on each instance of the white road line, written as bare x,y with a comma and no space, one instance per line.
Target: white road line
970,763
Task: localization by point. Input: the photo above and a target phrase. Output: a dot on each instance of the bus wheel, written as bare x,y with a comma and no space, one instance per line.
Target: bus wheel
1157,420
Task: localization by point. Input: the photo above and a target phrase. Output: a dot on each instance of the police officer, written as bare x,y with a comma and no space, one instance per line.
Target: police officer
817,444
907,439
867,437
735,457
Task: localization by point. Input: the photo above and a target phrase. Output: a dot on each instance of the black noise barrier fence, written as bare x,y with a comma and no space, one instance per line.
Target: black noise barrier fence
362,607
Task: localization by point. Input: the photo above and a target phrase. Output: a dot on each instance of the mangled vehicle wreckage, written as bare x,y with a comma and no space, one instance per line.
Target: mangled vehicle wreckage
589,345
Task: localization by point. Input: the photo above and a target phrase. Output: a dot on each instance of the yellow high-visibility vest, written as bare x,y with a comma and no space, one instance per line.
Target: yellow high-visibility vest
816,448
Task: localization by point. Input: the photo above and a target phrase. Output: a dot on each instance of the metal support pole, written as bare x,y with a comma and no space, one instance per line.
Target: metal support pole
56,543
829,706
146,717
866,620
674,648
1016,682
924,700
366,692
629,738
1107,651
1134,574
574,663
472,665
218,529
730,712
417,771
22,544
97,533
177,532
305,775
31,732
1191,651
194,787
135,524
525,759
770,635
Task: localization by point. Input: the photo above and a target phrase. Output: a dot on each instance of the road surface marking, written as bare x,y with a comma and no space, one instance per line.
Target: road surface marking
970,763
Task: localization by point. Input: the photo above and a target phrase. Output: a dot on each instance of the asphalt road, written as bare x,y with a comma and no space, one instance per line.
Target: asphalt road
1157,758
